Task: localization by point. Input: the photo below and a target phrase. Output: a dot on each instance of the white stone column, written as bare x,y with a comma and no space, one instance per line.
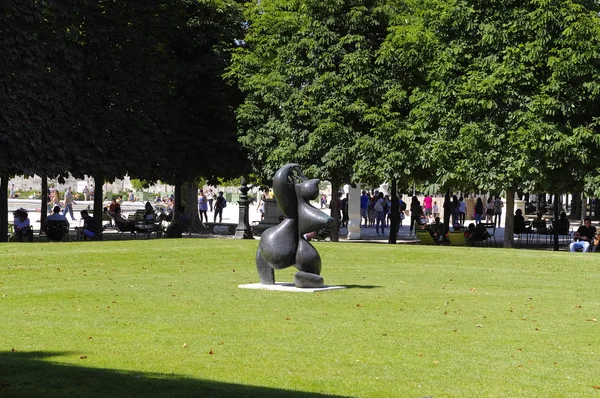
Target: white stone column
354,213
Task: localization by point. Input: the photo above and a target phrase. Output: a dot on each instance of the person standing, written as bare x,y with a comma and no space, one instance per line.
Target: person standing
455,211
428,204
261,208
489,210
415,213
69,202
462,211
378,207
498,205
12,191
478,210
220,204
202,206
210,195
323,201
364,206
86,193
401,211
345,216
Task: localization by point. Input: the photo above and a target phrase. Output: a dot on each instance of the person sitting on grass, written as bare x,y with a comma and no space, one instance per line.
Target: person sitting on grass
584,236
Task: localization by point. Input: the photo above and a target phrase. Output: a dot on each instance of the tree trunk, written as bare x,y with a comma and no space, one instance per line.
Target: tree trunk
3,207
509,222
575,206
394,214
189,193
98,210
44,208
583,207
335,212
447,210
178,199
556,215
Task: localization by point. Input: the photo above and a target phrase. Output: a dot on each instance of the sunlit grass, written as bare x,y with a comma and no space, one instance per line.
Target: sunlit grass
415,321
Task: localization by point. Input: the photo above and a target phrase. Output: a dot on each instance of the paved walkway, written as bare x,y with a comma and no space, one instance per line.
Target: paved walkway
230,215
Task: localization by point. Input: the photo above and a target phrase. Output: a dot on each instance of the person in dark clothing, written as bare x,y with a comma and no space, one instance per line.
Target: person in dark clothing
519,223
415,213
478,210
584,236
220,203
88,224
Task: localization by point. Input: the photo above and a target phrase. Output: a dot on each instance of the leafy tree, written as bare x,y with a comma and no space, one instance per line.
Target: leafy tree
200,128
510,97
313,88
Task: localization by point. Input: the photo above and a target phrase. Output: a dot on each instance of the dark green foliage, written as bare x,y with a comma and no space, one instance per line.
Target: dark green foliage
314,88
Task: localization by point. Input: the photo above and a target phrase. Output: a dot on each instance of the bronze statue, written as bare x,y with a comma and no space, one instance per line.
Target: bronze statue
284,245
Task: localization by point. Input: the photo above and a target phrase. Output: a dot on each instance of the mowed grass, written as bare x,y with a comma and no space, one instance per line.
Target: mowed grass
166,318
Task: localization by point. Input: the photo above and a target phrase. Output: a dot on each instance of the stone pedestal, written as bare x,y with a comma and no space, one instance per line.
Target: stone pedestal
272,212
271,217
354,213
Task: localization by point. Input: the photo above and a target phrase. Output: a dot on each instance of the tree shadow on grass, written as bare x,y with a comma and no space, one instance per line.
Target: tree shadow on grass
32,374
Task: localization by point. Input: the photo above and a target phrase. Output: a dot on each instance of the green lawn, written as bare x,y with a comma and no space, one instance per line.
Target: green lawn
166,318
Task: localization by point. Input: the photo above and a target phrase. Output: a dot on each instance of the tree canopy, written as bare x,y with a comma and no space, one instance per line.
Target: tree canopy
315,90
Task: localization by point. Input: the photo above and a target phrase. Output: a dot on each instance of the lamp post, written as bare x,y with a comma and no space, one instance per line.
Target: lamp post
243,230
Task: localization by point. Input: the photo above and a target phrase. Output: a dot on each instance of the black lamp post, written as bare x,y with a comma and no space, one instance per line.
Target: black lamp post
243,230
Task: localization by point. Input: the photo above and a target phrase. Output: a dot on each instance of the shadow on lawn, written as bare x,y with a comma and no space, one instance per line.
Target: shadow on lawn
361,286
27,374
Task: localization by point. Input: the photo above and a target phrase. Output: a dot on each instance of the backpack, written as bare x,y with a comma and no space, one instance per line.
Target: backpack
223,202
402,205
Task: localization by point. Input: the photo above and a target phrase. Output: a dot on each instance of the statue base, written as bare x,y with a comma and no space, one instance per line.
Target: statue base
289,287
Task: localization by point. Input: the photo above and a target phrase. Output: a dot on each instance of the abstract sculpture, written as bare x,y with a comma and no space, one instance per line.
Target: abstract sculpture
284,245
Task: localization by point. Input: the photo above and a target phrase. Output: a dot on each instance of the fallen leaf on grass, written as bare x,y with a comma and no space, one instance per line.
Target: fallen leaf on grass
592,320
13,350
211,352
597,387
288,319
473,289
436,362
184,345
83,357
